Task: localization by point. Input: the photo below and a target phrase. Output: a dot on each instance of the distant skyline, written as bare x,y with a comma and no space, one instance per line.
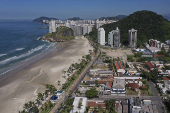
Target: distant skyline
85,9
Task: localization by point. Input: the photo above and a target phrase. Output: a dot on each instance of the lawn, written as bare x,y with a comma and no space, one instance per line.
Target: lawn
130,92
144,92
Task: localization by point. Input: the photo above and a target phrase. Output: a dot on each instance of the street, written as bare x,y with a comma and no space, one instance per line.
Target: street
156,98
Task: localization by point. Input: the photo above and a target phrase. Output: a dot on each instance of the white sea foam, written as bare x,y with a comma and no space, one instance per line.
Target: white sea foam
19,49
23,55
2,55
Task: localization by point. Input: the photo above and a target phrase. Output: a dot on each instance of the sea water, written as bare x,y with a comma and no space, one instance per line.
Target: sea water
19,42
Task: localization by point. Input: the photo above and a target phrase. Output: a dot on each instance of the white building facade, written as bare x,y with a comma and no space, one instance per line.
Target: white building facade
101,36
52,26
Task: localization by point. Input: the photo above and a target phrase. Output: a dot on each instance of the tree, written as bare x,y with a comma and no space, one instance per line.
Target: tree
40,96
110,105
59,83
92,93
38,101
64,72
30,104
46,93
87,108
96,82
35,110
26,106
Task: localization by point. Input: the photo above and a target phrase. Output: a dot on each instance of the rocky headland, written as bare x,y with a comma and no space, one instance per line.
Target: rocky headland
62,34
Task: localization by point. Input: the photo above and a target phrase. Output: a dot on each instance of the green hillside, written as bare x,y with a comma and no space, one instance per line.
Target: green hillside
75,18
40,19
149,25
119,17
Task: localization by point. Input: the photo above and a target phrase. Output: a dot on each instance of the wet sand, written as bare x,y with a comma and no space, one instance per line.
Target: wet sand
22,85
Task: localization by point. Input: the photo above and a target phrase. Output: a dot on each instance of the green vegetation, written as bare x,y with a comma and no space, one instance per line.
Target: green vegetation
40,19
166,59
32,107
131,92
149,25
62,33
153,75
67,106
146,83
47,107
144,92
75,18
130,58
140,59
77,66
110,105
92,93
119,17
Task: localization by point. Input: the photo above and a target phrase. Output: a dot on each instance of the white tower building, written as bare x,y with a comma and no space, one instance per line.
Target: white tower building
52,26
132,38
101,36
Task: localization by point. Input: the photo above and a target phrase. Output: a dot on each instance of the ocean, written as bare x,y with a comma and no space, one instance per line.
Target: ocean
19,42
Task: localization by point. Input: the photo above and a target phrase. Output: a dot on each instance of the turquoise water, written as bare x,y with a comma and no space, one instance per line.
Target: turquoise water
147,103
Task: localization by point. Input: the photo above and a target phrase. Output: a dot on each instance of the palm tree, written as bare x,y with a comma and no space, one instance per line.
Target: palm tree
30,104
26,106
40,96
47,86
64,72
38,101
72,108
59,83
46,93
79,106
42,108
45,105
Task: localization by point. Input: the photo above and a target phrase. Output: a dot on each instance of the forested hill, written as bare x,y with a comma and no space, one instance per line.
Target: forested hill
75,18
40,19
119,17
149,25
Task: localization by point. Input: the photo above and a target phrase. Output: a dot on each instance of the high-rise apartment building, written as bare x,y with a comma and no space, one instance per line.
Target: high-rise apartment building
52,26
114,38
132,38
101,36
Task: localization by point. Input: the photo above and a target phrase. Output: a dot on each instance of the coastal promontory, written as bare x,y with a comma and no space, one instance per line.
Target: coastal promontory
40,19
62,34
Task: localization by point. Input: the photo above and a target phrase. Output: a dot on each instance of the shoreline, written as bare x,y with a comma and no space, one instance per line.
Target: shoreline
24,85
17,67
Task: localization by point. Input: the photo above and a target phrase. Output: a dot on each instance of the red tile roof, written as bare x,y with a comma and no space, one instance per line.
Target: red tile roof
166,78
96,104
104,81
138,80
110,77
150,65
133,85
159,55
143,86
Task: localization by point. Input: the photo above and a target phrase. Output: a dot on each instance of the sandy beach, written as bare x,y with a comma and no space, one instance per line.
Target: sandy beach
23,85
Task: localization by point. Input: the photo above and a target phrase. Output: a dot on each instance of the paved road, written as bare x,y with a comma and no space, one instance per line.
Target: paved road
76,83
156,98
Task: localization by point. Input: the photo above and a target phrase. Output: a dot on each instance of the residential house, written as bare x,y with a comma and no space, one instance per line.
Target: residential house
133,86
94,104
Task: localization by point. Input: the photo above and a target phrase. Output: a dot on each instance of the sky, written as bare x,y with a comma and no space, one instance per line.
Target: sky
85,9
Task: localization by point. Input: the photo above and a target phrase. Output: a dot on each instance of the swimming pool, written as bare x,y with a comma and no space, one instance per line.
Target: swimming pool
147,103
